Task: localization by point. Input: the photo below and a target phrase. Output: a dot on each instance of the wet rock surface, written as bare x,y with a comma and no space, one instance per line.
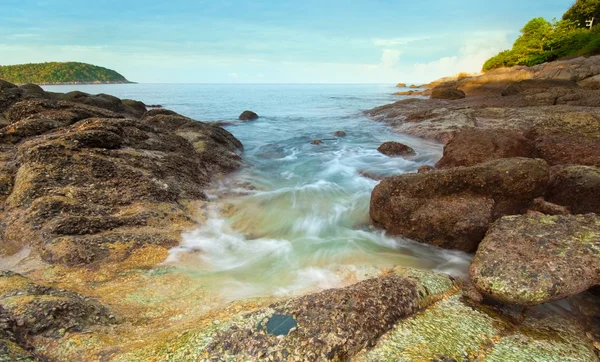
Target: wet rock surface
534,259
453,208
248,116
394,149
87,175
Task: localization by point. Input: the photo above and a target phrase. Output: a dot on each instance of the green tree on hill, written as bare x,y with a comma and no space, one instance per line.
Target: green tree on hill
542,41
72,72
582,11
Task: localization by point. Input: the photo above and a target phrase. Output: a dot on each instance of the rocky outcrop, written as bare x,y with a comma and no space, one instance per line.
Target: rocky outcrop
453,208
473,146
393,149
248,116
447,93
41,310
576,187
340,134
87,180
534,259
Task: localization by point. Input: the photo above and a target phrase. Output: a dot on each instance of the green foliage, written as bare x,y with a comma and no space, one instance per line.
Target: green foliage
582,11
48,73
543,41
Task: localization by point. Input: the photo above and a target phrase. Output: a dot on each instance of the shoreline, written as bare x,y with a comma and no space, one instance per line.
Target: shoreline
78,83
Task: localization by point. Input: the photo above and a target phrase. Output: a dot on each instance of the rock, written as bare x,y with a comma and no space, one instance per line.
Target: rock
401,85
340,134
535,259
455,329
316,142
425,168
46,311
453,208
536,85
542,206
6,85
248,116
414,86
396,149
576,187
447,93
135,107
472,146
568,139
88,183
343,321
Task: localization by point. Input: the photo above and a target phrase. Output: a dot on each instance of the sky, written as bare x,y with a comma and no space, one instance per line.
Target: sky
268,41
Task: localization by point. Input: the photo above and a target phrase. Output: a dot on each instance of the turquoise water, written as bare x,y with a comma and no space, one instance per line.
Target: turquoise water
295,218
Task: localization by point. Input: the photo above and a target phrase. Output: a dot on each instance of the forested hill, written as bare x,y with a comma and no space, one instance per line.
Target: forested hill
59,73
576,34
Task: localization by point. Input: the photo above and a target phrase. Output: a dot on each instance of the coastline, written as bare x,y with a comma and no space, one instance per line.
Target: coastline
79,83
108,248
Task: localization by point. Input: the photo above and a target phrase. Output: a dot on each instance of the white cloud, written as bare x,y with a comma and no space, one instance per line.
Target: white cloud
474,51
397,41
390,58
233,75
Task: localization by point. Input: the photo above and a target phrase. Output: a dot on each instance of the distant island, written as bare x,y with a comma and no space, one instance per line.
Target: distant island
60,73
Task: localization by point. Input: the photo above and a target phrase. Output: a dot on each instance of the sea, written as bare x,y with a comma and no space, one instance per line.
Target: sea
295,217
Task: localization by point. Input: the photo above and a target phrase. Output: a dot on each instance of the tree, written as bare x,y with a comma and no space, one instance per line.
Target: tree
582,11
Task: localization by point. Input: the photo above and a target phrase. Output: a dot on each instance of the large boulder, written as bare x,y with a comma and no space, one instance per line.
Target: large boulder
570,139
577,187
396,149
453,208
472,146
447,93
85,180
535,259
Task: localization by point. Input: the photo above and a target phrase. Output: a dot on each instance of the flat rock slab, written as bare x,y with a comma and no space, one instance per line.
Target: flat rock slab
534,259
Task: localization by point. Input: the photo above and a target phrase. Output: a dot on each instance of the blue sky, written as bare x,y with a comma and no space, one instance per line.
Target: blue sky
317,41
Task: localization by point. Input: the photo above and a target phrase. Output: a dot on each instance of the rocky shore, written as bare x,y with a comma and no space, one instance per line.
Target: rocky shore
518,184
95,190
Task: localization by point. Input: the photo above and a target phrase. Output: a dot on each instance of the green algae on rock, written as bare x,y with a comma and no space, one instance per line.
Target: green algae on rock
332,325
456,330
534,259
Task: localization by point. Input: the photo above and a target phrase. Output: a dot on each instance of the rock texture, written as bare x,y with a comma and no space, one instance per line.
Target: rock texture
473,146
248,116
576,187
447,93
91,178
396,149
453,208
534,259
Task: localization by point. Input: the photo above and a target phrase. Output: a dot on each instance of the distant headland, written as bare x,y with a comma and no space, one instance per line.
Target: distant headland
56,73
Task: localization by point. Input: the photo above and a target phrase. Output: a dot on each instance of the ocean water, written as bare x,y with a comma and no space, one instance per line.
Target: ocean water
295,218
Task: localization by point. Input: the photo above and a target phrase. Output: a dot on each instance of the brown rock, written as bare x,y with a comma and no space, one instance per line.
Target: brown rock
472,146
447,93
536,86
453,208
340,134
401,85
248,116
542,206
425,168
396,149
576,187
572,139
535,259
78,179
316,142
